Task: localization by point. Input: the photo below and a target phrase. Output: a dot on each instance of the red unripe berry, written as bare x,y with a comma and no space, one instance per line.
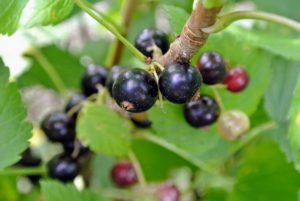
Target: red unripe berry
123,174
168,192
236,79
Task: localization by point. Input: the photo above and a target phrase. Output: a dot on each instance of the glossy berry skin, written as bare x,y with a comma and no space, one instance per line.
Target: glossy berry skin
212,67
178,83
202,112
168,192
69,148
112,76
30,160
63,168
148,37
123,174
135,90
236,79
75,101
58,127
93,76
233,124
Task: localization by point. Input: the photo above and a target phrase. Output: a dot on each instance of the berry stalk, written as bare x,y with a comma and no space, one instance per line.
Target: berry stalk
24,171
85,6
116,49
192,38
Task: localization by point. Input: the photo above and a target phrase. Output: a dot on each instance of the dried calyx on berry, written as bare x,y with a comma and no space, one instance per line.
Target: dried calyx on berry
123,174
149,38
58,127
135,90
93,76
236,79
201,112
212,67
179,82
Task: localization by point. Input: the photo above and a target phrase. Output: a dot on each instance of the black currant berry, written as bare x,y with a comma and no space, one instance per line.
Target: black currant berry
212,67
202,112
58,127
179,82
112,76
74,104
123,174
93,76
168,192
146,123
150,37
30,160
75,147
63,168
135,90
236,79
141,120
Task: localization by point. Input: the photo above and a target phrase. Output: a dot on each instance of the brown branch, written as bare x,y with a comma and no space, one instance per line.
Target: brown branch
192,38
125,22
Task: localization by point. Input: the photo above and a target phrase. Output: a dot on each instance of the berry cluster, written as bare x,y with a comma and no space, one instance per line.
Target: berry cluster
59,127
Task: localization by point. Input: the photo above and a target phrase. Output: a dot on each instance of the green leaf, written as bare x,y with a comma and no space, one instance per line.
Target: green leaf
104,130
48,12
287,8
199,144
10,14
15,131
283,46
66,67
280,92
264,175
294,126
177,17
56,191
238,51
186,5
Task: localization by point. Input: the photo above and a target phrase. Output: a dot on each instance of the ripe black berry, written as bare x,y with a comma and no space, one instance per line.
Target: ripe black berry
149,37
74,103
146,123
123,174
212,67
233,124
179,82
112,76
94,75
236,79
202,112
135,90
75,146
168,192
63,168
30,160
58,127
